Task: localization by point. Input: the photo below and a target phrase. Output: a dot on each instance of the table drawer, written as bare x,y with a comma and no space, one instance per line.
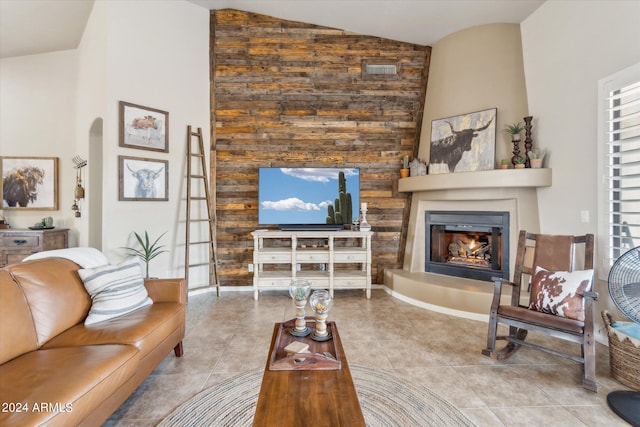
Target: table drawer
15,257
312,256
273,283
274,257
17,241
355,282
57,240
355,256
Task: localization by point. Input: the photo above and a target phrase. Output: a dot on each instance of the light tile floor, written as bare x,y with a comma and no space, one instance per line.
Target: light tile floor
230,334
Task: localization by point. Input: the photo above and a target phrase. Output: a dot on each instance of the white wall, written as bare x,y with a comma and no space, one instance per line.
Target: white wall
149,53
475,69
157,56
37,113
92,81
568,46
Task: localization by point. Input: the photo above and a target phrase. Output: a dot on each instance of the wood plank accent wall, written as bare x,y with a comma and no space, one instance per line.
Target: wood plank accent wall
290,94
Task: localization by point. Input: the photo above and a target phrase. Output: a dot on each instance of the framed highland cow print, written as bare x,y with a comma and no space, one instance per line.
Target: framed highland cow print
144,128
29,183
463,143
143,179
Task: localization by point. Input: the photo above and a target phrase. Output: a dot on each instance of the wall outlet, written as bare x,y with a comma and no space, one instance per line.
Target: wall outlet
250,267
584,216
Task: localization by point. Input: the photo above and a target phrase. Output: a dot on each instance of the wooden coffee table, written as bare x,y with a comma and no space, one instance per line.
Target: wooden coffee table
318,392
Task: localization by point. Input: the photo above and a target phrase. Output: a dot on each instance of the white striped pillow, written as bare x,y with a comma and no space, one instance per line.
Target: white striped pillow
114,289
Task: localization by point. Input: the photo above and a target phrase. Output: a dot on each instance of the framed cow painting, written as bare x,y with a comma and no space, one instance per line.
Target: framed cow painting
143,179
29,183
144,128
463,143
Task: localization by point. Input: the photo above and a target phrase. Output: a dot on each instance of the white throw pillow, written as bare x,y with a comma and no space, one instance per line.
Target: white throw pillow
115,290
85,257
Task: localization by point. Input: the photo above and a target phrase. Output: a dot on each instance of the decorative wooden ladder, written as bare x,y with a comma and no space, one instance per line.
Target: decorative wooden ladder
213,259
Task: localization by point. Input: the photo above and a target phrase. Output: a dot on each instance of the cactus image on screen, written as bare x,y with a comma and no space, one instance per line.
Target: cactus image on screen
341,211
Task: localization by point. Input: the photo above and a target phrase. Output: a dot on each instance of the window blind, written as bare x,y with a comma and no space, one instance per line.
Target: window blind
621,97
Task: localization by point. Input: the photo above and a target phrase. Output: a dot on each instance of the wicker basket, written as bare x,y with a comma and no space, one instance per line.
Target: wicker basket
624,357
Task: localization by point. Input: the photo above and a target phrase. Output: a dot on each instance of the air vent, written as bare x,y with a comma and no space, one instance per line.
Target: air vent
379,70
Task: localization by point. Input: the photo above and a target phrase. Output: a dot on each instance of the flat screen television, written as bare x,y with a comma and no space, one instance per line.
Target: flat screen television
303,198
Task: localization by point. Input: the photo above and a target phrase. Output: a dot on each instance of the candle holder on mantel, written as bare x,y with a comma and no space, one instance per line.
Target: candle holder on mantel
299,289
364,225
528,142
320,302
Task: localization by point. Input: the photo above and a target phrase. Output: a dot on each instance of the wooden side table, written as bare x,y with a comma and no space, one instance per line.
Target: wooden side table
317,397
17,244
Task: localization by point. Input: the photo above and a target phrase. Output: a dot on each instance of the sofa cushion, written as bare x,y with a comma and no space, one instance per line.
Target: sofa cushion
144,328
560,292
55,294
114,289
62,386
16,325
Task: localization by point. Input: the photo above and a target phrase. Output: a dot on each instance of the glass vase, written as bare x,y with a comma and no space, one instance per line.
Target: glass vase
321,302
299,290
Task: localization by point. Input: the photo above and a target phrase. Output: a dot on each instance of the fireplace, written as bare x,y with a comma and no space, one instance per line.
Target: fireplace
512,191
470,244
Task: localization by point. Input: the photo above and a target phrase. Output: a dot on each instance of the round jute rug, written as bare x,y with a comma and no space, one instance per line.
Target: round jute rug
385,399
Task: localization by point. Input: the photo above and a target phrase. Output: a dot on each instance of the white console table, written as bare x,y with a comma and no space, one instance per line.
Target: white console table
328,259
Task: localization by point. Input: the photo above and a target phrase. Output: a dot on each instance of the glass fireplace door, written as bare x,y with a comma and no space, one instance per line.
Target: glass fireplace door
467,244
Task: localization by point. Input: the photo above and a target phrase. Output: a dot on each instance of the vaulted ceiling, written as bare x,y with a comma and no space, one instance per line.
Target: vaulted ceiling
37,26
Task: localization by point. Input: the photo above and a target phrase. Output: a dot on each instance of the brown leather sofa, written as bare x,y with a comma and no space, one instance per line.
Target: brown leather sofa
54,370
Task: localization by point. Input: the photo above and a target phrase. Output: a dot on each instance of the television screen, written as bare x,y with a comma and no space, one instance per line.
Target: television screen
307,196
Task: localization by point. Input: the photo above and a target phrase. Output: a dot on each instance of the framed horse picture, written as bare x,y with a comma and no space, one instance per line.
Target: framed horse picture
143,179
144,128
29,183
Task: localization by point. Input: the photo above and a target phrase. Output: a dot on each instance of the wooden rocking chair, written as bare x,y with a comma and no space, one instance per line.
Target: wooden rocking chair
552,254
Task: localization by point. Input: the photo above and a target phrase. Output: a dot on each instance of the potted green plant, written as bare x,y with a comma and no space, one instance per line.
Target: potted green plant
514,130
519,162
536,157
404,171
148,250
504,164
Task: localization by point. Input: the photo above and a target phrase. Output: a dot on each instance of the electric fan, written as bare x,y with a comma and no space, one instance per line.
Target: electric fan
624,288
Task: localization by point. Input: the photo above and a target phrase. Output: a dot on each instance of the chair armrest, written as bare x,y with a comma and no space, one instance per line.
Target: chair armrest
591,295
499,281
497,291
167,290
497,285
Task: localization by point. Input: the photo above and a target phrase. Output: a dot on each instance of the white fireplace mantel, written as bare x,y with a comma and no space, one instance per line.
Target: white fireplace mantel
497,178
